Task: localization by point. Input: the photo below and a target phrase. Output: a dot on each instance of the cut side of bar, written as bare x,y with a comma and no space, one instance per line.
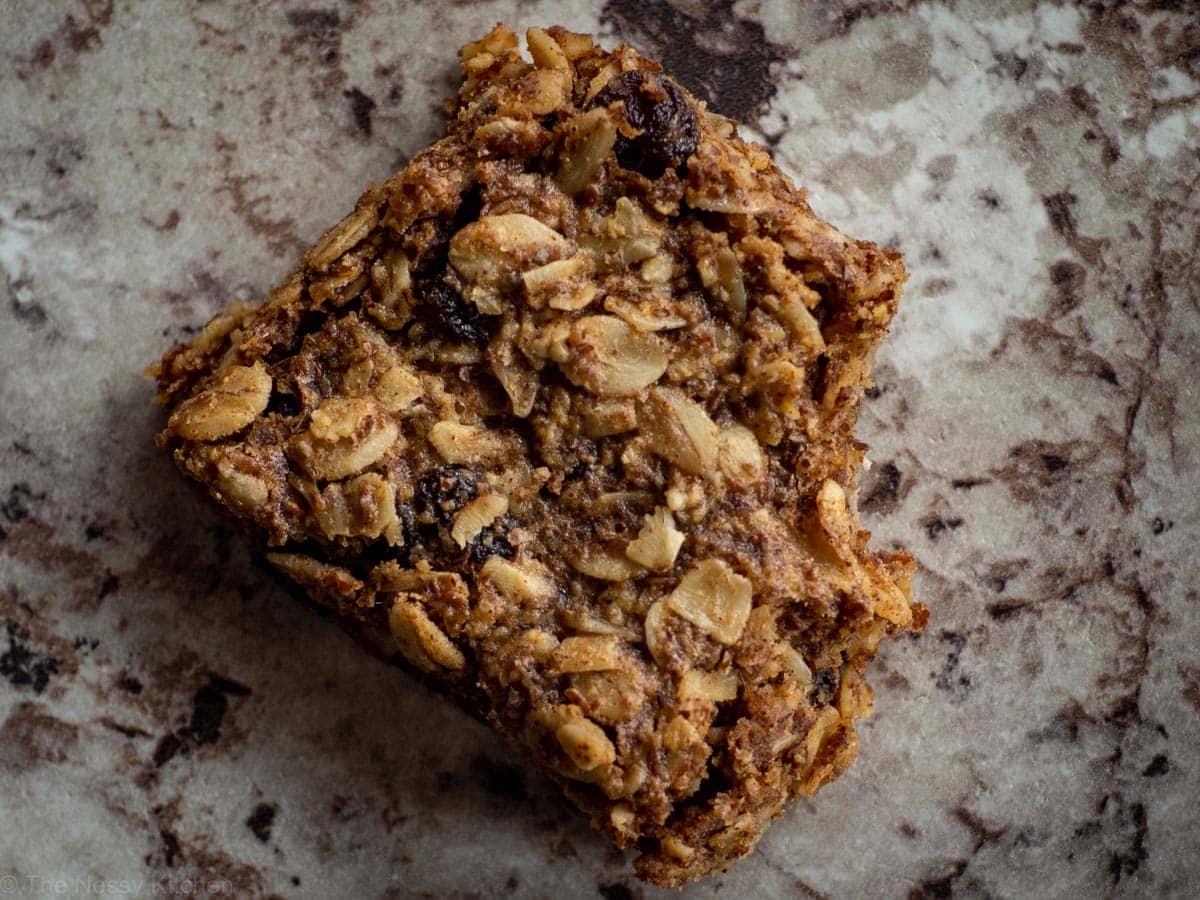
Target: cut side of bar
562,415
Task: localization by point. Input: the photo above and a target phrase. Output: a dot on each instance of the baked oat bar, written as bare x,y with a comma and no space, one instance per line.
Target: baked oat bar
562,414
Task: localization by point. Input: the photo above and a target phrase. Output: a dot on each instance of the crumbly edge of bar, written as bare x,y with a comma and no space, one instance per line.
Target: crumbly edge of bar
298,417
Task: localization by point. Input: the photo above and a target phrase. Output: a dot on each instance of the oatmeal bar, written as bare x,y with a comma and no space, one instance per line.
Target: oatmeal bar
562,414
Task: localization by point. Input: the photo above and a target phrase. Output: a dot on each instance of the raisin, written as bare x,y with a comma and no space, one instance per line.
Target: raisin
493,541
654,105
441,305
440,494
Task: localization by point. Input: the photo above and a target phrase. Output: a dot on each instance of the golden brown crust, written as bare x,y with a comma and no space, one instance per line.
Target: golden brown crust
566,407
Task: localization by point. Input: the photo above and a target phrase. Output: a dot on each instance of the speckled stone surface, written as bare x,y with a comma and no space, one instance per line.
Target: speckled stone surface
173,722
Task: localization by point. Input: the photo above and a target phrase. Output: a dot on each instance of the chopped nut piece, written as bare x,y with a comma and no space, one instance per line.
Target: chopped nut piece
610,697
495,248
364,506
524,582
679,733
657,543
630,234
621,816
398,389
546,52
610,359
676,848
562,285
714,598
344,436
586,744
476,516
610,417
493,44
238,397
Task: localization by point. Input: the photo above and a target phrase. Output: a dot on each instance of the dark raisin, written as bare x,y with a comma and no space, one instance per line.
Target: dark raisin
493,541
442,493
657,107
441,305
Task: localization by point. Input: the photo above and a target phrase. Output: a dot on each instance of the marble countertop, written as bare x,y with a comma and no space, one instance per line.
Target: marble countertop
172,722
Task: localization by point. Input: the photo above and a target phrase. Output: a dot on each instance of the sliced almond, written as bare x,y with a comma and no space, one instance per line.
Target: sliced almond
715,599
740,456
520,383
793,312
421,641
587,653
586,744
590,137
680,430
717,687
656,637
603,564
651,312
721,274
469,444
790,657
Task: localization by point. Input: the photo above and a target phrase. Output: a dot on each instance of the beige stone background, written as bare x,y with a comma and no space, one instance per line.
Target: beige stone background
172,721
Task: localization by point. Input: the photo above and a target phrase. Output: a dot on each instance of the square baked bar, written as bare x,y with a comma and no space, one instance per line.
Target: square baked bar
562,415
